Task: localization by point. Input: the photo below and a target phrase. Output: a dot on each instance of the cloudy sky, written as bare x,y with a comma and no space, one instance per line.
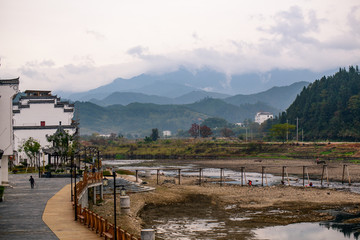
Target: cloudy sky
78,45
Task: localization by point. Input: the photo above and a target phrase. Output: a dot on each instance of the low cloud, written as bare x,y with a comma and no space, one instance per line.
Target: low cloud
78,69
137,51
96,35
43,63
293,25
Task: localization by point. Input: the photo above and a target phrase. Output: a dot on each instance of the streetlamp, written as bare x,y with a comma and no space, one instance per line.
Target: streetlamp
75,196
105,181
71,176
122,191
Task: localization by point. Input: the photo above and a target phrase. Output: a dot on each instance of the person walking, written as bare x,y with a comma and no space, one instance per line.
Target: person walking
32,182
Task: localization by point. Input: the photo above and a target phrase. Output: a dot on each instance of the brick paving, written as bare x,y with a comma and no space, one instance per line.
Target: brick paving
22,209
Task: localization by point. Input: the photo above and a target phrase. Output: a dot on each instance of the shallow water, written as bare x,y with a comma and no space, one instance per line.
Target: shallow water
204,221
232,177
201,220
304,231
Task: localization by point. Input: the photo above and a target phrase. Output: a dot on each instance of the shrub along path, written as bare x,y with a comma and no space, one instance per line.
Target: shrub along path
22,209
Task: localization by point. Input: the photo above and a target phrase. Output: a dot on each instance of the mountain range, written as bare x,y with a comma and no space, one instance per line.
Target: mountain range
178,83
138,119
276,97
174,101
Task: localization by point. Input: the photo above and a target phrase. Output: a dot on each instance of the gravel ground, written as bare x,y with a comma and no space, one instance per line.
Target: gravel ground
274,205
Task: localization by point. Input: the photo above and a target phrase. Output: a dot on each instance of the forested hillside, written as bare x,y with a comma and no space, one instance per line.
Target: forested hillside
219,108
140,118
136,118
277,97
329,108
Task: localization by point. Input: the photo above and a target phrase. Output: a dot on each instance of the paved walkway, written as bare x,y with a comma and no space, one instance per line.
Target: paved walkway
26,212
22,209
59,216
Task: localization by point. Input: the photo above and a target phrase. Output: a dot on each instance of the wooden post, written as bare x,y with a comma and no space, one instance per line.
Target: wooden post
266,181
157,176
221,176
347,169
303,176
283,175
327,175
137,176
242,176
262,176
322,175
307,173
200,171
179,176
343,174
287,176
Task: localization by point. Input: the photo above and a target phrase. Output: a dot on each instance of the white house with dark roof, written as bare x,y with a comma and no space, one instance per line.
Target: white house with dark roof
8,89
37,114
261,117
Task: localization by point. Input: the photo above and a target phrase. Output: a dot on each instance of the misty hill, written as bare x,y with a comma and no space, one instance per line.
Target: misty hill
125,98
277,97
140,118
183,81
195,96
135,118
232,113
329,108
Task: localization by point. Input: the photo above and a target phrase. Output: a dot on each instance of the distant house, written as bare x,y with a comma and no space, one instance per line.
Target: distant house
166,133
239,124
37,114
261,117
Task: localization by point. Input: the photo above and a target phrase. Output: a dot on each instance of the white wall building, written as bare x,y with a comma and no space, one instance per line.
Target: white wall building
8,89
166,133
261,117
38,114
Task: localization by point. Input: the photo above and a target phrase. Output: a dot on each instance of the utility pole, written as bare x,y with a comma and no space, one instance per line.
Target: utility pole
302,135
287,130
297,129
246,134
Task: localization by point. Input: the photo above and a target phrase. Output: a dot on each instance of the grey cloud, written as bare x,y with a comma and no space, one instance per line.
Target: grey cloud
47,63
195,36
354,20
97,35
137,51
44,63
28,72
77,69
292,25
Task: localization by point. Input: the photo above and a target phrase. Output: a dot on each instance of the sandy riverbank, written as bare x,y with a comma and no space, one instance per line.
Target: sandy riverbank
259,206
276,205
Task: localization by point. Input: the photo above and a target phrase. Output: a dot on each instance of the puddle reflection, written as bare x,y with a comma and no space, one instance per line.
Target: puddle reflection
304,231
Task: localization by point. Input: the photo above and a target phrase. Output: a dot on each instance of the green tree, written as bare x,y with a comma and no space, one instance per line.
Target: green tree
215,122
154,134
63,143
31,147
280,131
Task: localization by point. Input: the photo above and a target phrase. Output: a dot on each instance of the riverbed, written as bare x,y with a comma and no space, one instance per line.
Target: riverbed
232,211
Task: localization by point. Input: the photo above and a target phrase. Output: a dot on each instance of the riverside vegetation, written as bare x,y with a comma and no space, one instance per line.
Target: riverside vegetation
119,148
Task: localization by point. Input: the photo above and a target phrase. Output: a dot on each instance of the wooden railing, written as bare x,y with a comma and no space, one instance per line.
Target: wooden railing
101,226
94,221
88,178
